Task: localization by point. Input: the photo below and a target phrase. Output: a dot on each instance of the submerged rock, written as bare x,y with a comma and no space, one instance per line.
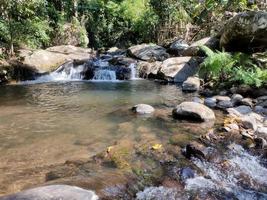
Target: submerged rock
191,84
143,109
148,52
193,111
53,192
159,193
245,32
187,173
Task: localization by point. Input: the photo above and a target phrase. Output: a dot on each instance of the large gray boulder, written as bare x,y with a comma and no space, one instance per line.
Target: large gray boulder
194,48
246,31
50,59
53,192
178,69
193,111
148,69
148,52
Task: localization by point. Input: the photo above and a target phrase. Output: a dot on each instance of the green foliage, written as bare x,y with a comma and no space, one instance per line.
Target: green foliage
222,67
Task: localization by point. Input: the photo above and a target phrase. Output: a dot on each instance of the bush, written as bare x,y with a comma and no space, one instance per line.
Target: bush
224,68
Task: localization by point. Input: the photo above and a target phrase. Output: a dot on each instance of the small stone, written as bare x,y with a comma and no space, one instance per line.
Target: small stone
186,173
225,104
222,98
236,99
249,122
210,102
247,102
191,84
143,109
248,134
195,149
231,128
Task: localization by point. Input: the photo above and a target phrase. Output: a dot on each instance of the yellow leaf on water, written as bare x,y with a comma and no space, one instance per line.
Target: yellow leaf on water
109,149
157,146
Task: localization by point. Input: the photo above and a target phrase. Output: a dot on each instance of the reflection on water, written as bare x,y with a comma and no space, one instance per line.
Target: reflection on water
46,124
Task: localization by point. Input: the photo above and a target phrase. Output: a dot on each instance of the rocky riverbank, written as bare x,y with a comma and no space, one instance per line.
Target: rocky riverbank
224,155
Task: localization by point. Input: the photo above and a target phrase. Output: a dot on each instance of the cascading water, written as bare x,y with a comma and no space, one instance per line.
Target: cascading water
132,66
105,75
240,175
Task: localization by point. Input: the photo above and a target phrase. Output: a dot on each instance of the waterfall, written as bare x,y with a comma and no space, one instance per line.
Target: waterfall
105,75
132,66
65,72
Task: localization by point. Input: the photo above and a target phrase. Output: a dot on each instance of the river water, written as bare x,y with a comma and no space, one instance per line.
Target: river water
48,123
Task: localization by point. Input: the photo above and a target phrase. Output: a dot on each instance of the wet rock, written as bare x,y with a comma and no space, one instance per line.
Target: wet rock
195,149
178,69
249,122
263,104
148,52
225,104
194,48
177,47
159,193
191,84
193,111
239,111
53,192
236,99
248,134
186,173
143,109
260,110
262,131
247,102
210,102
260,143
231,127
245,32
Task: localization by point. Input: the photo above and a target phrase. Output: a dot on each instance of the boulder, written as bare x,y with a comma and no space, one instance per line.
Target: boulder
193,111
177,47
262,131
245,32
143,109
148,52
53,192
178,69
49,59
194,48
191,84
148,70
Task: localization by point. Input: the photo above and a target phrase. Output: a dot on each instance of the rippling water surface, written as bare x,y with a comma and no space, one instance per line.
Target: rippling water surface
45,124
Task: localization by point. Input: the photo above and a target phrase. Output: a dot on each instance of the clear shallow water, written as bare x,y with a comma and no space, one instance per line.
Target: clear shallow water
42,125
